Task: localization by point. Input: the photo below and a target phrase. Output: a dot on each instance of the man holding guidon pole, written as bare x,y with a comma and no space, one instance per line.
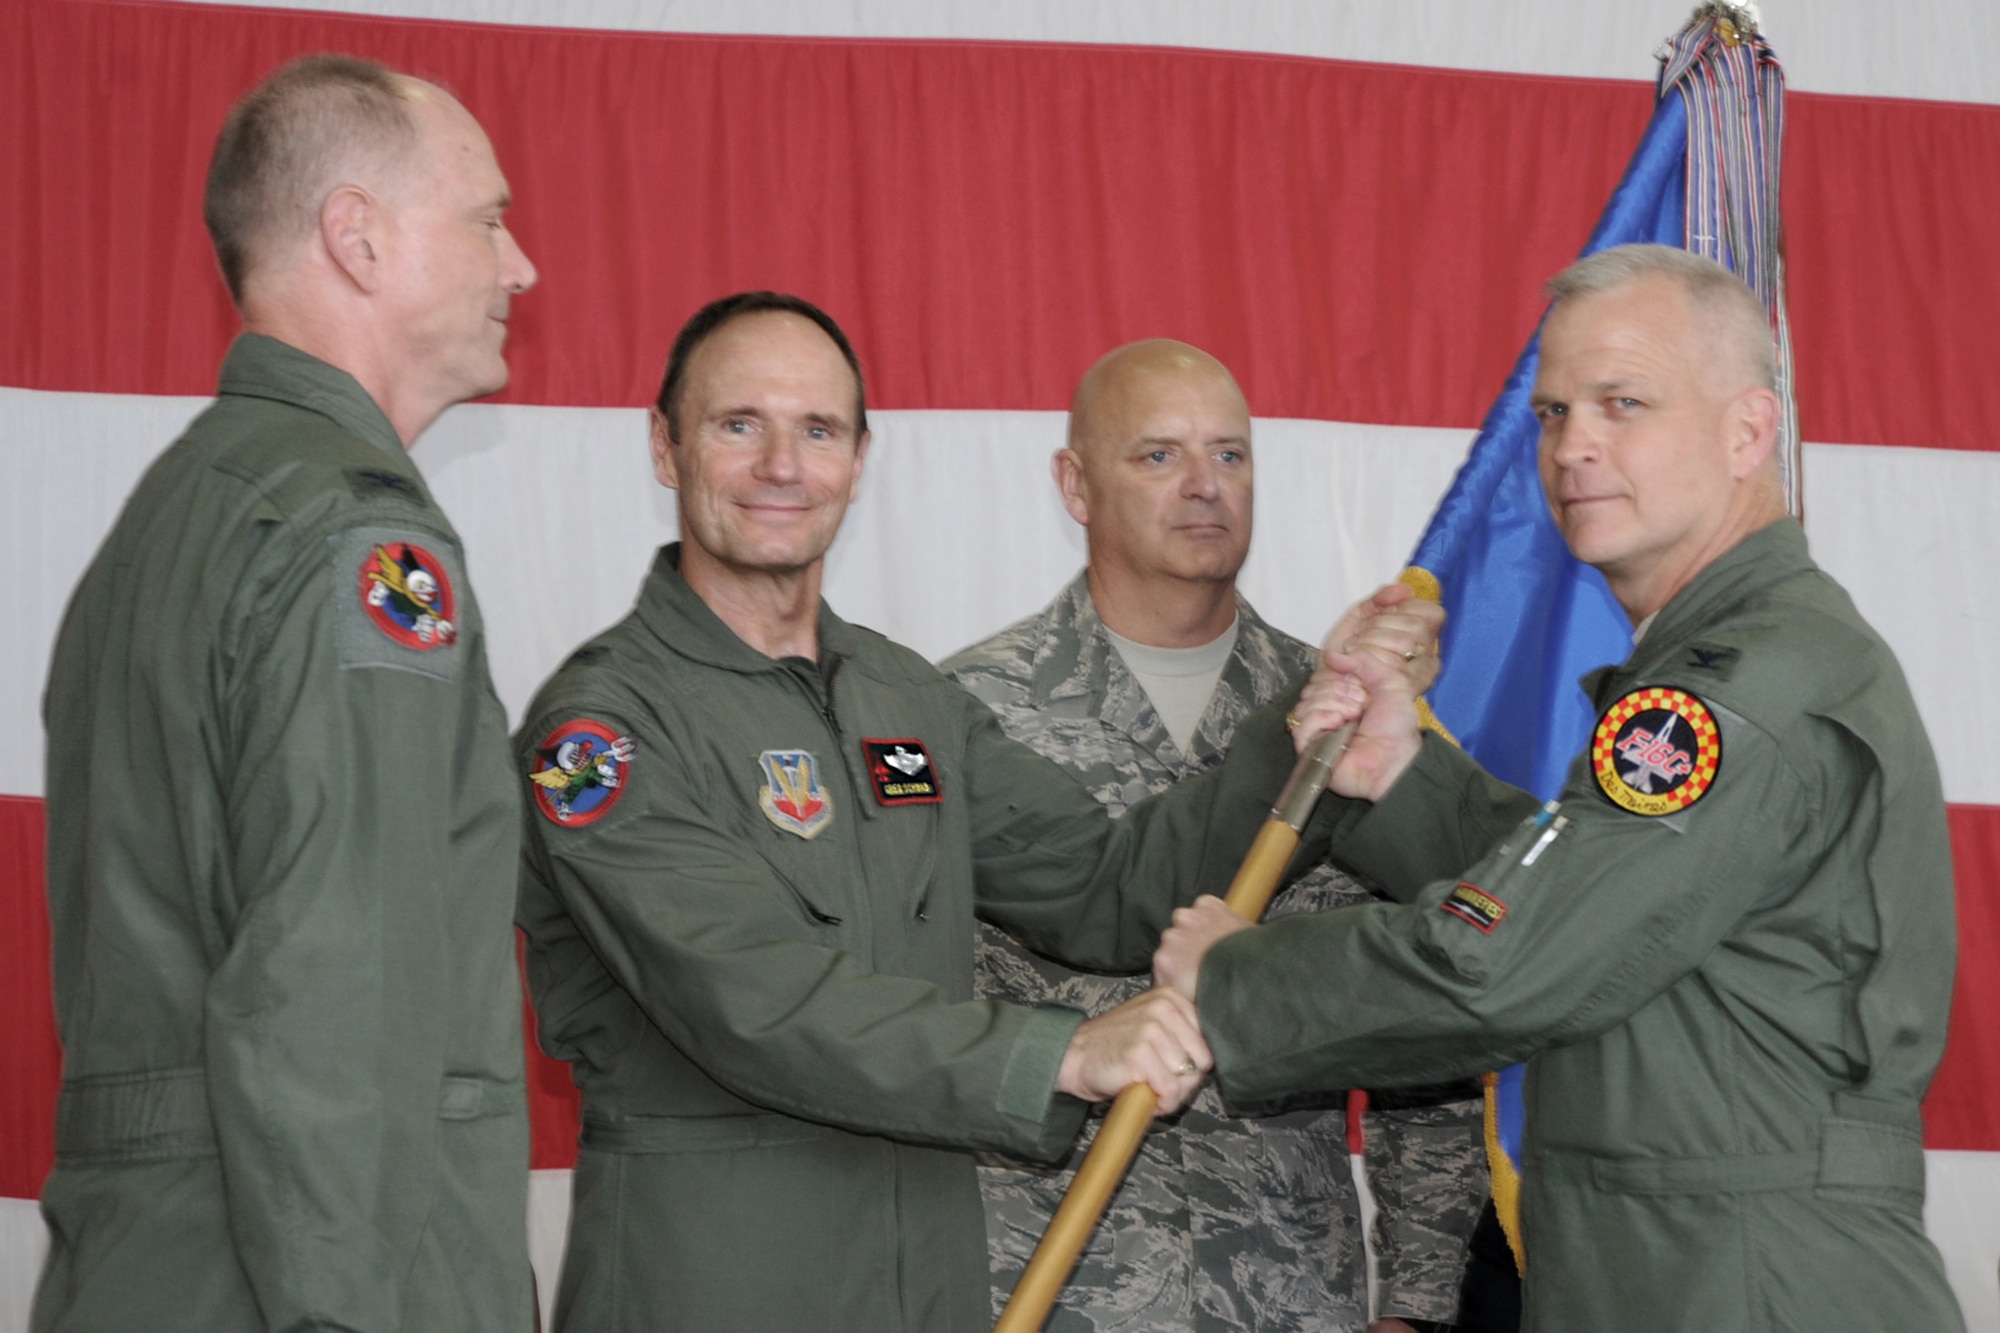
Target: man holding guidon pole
758,839
1725,951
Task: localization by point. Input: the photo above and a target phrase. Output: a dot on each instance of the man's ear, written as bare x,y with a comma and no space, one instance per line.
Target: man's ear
663,450
350,220
1066,466
1754,420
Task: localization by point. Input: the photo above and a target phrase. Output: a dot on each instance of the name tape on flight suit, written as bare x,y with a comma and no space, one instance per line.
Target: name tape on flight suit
901,772
1469,902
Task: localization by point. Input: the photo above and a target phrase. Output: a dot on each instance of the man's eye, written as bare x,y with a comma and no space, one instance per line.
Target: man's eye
1626,404
735,425
1548,412
1229,456
1158,456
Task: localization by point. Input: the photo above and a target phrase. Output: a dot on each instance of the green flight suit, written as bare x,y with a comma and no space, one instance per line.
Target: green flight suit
754,946
1729,1012
282,842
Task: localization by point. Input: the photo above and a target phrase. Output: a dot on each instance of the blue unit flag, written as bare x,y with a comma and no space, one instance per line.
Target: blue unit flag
1525,618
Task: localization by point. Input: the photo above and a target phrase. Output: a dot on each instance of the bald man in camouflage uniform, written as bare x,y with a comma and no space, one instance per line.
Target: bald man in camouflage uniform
1226,1221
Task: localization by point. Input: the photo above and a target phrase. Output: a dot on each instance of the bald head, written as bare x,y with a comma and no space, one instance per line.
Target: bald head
1158,472
1131,380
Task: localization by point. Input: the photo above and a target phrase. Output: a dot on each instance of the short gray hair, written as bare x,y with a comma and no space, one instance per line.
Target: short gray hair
289,143
1723,303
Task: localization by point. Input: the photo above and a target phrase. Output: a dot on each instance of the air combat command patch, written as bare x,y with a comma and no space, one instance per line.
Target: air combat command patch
406,594
579,772
1656,751
792,798
901,773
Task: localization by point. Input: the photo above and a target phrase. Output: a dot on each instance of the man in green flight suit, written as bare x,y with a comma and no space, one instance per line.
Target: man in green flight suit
282,831
759,838
1133,679
1726,951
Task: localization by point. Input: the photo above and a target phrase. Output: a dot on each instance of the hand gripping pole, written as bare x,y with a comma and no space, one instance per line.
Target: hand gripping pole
1125,1124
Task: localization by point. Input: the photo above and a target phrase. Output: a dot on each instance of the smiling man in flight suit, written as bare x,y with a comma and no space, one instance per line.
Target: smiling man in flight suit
759,839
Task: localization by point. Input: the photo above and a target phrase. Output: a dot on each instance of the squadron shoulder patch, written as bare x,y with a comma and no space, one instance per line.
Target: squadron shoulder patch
579,772
406,594
1656,751
792,797
901,773
1469,902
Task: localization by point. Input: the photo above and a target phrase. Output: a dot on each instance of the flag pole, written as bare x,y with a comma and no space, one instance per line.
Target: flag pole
1125,1124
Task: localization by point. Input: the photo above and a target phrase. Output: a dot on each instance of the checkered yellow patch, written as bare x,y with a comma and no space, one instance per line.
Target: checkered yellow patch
1656,751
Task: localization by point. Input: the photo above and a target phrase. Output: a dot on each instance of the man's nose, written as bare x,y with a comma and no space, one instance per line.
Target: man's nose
1200,481
1572,439
778,460
517,271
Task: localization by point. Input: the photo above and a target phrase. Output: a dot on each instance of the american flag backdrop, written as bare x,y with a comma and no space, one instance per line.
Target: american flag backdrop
1352,204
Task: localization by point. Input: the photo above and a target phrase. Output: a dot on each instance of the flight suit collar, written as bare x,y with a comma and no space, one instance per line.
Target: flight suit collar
675,614
1773,552
263,367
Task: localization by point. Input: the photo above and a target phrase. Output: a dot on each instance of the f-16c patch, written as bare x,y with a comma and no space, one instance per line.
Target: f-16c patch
1656,751
407,595
901,772
1469,902
792,797
579,772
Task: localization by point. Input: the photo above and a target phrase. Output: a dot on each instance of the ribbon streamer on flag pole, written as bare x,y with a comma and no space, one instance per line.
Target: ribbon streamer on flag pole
1524,618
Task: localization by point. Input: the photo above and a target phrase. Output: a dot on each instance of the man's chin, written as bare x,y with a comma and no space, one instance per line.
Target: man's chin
500,372
1595,547
1207,560
491,382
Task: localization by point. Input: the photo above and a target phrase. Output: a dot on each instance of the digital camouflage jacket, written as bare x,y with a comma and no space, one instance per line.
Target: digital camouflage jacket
1225,1221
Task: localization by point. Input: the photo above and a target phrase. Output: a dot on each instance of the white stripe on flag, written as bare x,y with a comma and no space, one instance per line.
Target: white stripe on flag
958,532
1941,52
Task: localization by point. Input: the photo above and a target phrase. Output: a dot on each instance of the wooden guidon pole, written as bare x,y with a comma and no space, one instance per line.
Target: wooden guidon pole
1130,1115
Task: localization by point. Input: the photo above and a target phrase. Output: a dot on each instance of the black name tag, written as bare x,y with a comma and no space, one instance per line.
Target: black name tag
901,773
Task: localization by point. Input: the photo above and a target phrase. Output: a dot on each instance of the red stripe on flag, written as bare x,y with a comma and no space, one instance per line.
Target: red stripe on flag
555,1107
1360,242
1963,1110
30,1057
1893,275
